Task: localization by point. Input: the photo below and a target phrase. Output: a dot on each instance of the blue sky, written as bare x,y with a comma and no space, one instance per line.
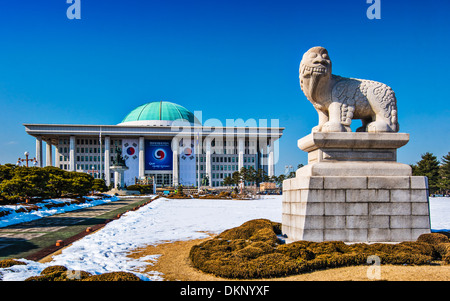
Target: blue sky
230,59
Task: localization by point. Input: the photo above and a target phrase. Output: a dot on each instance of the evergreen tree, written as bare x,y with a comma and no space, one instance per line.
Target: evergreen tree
236,177
251,175
261,176
429,167
444,172
228,181
99,185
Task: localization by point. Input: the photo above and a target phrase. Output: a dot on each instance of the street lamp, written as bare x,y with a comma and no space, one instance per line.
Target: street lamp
93,171
26,160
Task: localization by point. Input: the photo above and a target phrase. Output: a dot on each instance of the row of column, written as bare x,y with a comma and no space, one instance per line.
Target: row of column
107,161
175,144
241,151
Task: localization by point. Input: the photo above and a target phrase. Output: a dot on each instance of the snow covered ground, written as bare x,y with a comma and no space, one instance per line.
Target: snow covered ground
16,218
440,213
170,220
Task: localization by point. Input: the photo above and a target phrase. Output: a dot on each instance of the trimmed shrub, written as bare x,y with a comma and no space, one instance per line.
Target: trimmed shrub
53,269
6,263
252,250
61,273
297,250
114,276
444,251
248,229
143,189
433,238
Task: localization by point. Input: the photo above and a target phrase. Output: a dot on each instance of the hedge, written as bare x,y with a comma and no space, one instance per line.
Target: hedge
18,183
253,250
61,273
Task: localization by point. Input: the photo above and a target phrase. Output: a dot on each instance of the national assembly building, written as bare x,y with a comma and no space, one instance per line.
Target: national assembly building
160,140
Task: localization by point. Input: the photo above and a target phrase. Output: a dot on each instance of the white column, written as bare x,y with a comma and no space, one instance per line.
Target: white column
241,143
107,161
175,146
116,180
141,157
208,160
271,166
72,154
48,155
57,155
39,151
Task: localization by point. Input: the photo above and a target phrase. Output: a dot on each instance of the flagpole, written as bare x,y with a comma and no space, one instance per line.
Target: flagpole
198,166
101,154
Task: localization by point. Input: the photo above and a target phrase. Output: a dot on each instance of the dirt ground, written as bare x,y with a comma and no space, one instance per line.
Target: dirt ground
174,263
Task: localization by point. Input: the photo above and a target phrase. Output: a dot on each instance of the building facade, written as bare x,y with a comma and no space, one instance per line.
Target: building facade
161,140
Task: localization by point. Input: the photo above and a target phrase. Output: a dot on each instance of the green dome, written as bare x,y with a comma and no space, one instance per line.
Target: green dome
159,113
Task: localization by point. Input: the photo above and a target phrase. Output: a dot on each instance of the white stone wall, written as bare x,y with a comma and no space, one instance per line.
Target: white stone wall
355,208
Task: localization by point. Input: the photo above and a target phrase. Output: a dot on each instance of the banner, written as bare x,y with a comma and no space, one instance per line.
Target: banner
187,163
158,155
130,152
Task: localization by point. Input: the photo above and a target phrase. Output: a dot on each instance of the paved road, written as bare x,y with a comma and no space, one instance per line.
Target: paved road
21,240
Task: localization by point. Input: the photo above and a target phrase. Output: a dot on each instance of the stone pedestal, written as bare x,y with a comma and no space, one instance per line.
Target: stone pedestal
353,190
119,180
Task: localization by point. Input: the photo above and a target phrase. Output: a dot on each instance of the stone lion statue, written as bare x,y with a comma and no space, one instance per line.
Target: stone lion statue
338,100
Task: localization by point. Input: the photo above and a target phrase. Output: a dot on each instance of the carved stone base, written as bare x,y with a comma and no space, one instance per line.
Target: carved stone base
341,198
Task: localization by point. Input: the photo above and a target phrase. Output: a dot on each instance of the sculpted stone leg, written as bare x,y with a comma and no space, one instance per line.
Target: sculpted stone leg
380,124
323,118
334,123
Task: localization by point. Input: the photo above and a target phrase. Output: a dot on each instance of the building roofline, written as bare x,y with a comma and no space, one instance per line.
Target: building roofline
148,126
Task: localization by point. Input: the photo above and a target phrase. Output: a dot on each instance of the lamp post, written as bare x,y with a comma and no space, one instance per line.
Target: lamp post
93,171
19,161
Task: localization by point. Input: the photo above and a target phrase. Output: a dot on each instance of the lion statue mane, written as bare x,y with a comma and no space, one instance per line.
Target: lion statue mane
338,100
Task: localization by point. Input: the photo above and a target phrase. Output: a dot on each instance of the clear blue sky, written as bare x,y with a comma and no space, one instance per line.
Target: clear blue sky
231,59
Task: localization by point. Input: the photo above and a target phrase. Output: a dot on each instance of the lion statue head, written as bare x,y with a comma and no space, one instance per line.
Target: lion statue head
315,70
